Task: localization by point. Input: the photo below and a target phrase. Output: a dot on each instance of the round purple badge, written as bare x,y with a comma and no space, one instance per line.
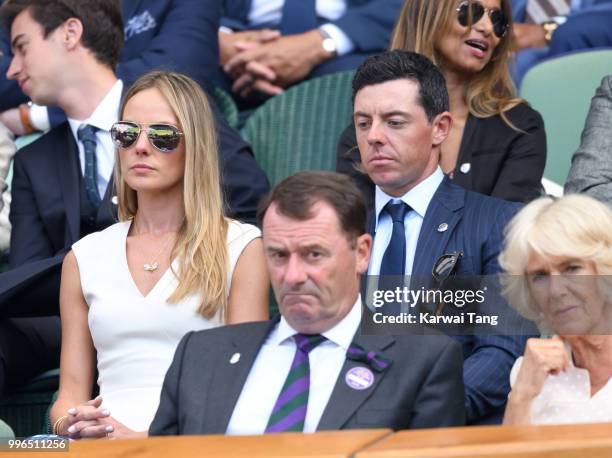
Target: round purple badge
359,378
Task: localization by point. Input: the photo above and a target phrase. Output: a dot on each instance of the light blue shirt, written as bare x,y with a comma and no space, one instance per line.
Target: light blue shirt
270,11
418,199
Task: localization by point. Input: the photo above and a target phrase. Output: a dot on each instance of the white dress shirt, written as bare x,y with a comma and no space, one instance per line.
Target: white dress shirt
418,199
272,365
270,11
103,117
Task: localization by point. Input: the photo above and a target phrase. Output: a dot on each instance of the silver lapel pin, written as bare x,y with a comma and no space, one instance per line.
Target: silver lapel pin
465,167
114,200
235,358
442,227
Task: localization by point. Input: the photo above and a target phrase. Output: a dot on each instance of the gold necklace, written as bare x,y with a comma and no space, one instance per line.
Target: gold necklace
153,265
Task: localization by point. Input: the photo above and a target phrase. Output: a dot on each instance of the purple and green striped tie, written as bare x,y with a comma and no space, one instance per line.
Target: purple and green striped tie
289,412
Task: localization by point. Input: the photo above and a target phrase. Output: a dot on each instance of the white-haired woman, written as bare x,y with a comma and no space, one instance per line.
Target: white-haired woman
558,255
173,264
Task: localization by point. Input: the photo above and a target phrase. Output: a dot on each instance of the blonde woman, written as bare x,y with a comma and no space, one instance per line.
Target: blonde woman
497,144
559,257
172,264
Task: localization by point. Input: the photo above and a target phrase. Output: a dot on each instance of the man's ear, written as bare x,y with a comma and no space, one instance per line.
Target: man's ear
442,125
364,248
72,31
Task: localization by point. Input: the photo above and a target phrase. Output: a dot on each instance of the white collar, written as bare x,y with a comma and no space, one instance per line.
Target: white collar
105,114
342,333
417,198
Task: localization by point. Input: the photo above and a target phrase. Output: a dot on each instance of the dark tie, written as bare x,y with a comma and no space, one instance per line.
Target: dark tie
394,259
87,136
539,11
289,412
298,16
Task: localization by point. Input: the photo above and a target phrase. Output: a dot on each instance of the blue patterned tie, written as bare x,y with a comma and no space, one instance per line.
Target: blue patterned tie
394,259
298,16
289,412
87,136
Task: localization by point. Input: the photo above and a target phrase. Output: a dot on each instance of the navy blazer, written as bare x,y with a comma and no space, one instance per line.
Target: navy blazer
368,23
475,225
178,35
420,389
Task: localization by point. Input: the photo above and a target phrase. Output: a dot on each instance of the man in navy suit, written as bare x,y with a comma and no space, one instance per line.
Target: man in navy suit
585,26
269,47
53,203
401,119
177,35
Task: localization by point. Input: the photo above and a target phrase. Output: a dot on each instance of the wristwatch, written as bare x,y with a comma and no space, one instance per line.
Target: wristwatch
549,28
329,45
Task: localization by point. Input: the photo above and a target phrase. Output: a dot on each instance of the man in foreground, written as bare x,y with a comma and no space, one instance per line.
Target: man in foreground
310,369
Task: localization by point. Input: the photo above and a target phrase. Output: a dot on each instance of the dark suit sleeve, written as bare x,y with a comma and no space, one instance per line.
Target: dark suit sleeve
29,240
487,368
244,182
520,178
439,402
369,26
186,42
166,420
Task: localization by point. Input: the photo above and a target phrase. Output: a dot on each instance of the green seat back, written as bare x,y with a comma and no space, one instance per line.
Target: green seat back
561,90
299,129
227,106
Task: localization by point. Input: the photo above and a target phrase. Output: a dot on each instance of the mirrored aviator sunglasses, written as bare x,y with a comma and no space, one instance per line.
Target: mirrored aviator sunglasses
497,16
164,137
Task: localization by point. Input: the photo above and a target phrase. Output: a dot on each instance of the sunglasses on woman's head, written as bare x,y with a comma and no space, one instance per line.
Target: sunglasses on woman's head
497,16
164,137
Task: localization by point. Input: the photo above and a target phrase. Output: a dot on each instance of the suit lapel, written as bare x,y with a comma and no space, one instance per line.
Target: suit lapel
443,209
229,379
344,400
69,171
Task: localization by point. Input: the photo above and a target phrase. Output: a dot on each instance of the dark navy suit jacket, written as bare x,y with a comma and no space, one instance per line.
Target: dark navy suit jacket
475,228
178,35
368,23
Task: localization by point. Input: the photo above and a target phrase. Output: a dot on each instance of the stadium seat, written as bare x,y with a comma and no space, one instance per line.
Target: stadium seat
299,129
561,90
226,104
26,409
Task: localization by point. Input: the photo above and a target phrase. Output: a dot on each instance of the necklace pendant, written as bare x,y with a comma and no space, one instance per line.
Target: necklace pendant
151,267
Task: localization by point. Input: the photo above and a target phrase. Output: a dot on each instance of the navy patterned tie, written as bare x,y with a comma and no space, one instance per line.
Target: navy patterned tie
87,136
394,259
298,16
289,412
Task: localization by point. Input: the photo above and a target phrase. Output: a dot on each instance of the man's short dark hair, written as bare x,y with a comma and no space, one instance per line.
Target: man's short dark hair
397,64
101,19
295,196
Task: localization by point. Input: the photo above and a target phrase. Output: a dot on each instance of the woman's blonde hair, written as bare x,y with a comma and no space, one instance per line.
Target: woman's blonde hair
201,247
422,23
574,226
